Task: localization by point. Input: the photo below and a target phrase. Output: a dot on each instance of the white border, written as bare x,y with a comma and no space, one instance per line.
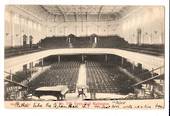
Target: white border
86,112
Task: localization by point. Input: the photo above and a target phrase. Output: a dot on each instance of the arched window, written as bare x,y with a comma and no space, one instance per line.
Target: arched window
24,40
94,37
70,37
30,41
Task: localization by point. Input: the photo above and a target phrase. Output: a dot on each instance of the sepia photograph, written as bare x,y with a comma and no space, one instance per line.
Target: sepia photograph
84,56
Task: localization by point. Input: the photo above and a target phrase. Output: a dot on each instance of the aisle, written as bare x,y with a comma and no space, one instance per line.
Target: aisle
81,82
82,76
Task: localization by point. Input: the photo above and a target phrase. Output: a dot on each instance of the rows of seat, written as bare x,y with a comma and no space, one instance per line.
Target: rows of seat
105,78
64,73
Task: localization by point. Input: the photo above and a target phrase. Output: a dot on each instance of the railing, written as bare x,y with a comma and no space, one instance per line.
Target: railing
152,77
157,50
152,71
12,81
16,83
10,52
144,81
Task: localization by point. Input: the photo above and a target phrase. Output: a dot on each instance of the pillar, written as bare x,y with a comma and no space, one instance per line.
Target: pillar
31,69
58,59
42,63
133,66
12,29
11,75
82,58
139,31
152,72
122,61
106,58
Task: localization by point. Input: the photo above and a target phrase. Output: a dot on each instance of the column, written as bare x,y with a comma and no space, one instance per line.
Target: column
122,61
58,59
42,63
152,72
20,31
12,29
82,58
106,59
11,75
133,66
31,69
139,36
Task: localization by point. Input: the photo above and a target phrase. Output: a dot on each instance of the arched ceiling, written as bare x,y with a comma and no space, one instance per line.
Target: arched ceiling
64,13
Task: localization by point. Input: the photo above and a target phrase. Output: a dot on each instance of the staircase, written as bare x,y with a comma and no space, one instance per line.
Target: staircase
153,86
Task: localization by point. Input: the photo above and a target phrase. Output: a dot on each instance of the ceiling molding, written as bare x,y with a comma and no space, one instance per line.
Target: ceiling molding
100,10
45,9
62,12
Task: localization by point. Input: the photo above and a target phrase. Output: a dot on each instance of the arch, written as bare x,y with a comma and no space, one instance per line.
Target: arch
70,37
94,37
30,41
24,40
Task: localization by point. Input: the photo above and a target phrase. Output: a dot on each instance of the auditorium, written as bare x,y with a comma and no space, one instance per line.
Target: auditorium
84,52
